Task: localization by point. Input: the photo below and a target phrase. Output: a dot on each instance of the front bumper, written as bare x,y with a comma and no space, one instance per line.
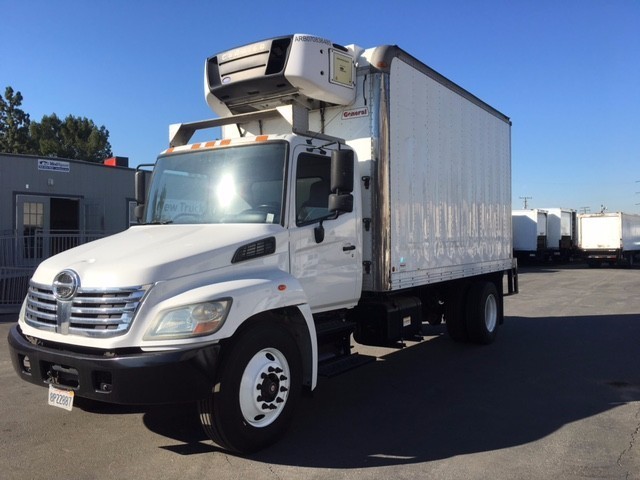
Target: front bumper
140,378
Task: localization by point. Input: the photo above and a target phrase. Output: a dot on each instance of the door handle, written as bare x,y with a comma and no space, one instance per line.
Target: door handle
348,248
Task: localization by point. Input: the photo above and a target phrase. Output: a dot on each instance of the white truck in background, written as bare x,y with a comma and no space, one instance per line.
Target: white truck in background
611,238
562,234
530,234
354,192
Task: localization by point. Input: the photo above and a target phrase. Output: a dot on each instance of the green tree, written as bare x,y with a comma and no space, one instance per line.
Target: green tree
74,137
14,124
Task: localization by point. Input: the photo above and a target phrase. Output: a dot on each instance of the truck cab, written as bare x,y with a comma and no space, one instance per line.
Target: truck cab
271,195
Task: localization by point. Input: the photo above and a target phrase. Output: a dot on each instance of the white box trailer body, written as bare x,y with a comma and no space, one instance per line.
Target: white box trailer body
562,232
612,238
529,233
449,192
354,192
437,160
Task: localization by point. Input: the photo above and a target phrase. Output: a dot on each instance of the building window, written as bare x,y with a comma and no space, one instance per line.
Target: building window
32,223
33,215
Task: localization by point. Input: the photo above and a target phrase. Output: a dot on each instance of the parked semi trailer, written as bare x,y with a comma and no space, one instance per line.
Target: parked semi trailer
354,191
611,238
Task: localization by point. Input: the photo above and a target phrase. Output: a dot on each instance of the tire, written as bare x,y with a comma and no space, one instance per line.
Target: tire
434,318
257,390
483,314
454,313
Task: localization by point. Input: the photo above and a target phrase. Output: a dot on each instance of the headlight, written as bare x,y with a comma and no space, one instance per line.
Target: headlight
190,321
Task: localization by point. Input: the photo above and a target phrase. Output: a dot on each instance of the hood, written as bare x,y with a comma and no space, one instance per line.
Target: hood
146,254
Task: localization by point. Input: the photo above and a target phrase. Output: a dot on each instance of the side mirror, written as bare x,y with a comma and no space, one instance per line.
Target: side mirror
138,211
140,193
341,202
140,187
342,166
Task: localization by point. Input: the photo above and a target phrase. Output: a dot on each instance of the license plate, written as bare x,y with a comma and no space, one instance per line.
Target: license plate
60,398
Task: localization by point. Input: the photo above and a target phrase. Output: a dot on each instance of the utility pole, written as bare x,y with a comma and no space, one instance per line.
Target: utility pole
585,209
526,202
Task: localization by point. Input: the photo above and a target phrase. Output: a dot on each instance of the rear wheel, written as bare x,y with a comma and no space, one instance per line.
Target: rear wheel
483,312
434,318
631,259
257,390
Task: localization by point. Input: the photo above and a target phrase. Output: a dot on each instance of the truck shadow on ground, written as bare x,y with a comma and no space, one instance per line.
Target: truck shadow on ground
438,399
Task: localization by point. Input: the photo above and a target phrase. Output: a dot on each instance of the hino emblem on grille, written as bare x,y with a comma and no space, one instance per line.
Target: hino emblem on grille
66,285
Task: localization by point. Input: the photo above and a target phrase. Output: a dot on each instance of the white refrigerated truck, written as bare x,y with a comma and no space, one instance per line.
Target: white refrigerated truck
530,234
562,233
611,238
354,192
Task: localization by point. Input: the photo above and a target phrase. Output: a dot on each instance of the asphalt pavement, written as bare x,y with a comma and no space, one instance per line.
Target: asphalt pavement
556,396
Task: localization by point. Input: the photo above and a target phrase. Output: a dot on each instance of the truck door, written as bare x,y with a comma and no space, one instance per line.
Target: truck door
329,268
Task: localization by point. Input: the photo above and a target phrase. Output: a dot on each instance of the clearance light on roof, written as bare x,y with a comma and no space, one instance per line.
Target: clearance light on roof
207,145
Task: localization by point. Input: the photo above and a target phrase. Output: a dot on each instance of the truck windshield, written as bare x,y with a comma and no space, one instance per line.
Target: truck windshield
241,184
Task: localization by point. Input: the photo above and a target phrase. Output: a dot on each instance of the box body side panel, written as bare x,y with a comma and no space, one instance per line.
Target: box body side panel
450,183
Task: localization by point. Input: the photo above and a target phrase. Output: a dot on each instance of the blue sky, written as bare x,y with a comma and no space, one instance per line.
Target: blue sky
567,72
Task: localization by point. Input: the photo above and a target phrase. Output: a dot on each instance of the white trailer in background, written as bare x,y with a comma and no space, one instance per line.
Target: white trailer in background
611,238
529,234
562,233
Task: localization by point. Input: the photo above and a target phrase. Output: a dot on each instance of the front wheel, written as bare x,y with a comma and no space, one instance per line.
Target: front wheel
258,386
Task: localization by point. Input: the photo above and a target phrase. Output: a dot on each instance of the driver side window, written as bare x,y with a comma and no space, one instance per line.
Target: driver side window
312,188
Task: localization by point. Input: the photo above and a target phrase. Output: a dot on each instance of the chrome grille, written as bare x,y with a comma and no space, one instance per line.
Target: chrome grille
98,313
